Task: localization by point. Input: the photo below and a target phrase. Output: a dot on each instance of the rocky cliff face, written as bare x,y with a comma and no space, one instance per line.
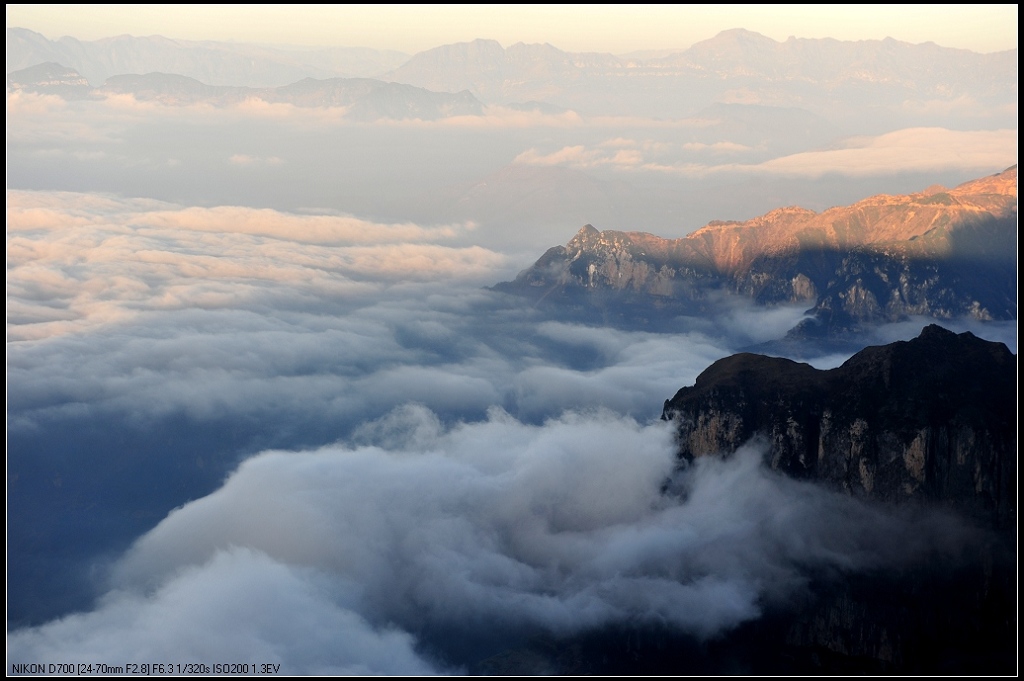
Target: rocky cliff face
942,253
930,419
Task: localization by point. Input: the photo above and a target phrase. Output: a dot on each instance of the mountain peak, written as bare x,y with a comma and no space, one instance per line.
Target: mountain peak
936,332
734,38
740,34
938,253
585,239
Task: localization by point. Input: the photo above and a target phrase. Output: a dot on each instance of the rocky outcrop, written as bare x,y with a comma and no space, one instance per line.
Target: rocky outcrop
930,421
933,419
940,253
50,78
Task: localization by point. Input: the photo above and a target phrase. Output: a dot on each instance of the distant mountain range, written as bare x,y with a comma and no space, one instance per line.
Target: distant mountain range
875,80
215,63
735,66
941,253
363,98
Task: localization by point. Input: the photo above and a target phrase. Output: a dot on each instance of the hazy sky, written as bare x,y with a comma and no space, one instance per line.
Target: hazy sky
617,29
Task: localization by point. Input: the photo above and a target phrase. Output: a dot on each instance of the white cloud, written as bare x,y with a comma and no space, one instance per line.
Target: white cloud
576,155
335,559
908,150
579,156
912,149
81,260
239,607
727,147
247,160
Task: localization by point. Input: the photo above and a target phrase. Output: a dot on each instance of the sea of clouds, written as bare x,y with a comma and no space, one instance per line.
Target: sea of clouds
263,407
320,441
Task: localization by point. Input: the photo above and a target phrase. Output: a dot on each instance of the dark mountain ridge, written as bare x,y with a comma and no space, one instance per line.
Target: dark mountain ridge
931,419
930,422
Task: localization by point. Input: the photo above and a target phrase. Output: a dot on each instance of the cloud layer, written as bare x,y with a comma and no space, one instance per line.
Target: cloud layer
493,478
246,425
152,347
76,260
438,547
901,151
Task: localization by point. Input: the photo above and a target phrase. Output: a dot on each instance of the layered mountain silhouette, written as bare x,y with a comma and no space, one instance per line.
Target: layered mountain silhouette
942,253
213,62
844,81
363,98
826,76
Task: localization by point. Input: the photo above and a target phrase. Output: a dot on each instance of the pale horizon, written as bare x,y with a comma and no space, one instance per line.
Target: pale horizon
615,29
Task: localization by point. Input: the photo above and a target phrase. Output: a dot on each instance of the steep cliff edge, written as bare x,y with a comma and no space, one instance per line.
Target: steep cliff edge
933,418
924,433
927,422
942,253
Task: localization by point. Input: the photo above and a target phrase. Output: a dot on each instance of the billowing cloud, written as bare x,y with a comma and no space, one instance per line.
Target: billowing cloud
29,211
486,532
268,613
913,149
244,424
77,259
152,347
901,151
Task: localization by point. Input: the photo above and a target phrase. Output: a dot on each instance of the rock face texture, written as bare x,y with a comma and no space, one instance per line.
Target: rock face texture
933,419
941,253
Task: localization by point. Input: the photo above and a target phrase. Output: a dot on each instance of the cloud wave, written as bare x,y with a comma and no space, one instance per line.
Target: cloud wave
488,531
80,260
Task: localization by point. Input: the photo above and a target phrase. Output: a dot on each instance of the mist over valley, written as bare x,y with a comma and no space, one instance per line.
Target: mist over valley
272,387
